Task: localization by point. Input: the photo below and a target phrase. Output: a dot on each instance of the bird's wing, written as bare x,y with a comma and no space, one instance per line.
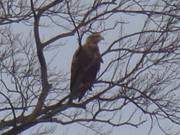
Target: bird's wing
75,67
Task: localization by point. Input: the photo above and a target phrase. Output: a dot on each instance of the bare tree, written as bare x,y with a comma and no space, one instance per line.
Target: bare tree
138,82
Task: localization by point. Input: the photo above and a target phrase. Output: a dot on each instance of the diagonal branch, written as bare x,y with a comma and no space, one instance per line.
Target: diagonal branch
74,23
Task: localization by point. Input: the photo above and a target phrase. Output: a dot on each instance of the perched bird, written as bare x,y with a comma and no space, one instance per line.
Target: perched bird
85,66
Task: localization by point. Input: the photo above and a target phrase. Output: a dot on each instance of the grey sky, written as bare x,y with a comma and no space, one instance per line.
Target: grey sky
60,56
63,52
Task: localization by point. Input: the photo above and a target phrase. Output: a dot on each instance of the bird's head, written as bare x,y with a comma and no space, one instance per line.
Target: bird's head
95,38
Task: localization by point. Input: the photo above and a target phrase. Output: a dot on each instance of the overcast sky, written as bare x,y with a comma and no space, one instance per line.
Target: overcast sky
64,52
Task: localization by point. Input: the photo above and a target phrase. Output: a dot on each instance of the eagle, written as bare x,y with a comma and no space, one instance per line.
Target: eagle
85,66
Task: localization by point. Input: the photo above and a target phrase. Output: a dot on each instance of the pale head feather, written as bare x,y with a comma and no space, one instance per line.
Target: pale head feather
94,38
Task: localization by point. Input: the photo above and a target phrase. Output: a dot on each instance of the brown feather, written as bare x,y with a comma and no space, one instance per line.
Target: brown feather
85,66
